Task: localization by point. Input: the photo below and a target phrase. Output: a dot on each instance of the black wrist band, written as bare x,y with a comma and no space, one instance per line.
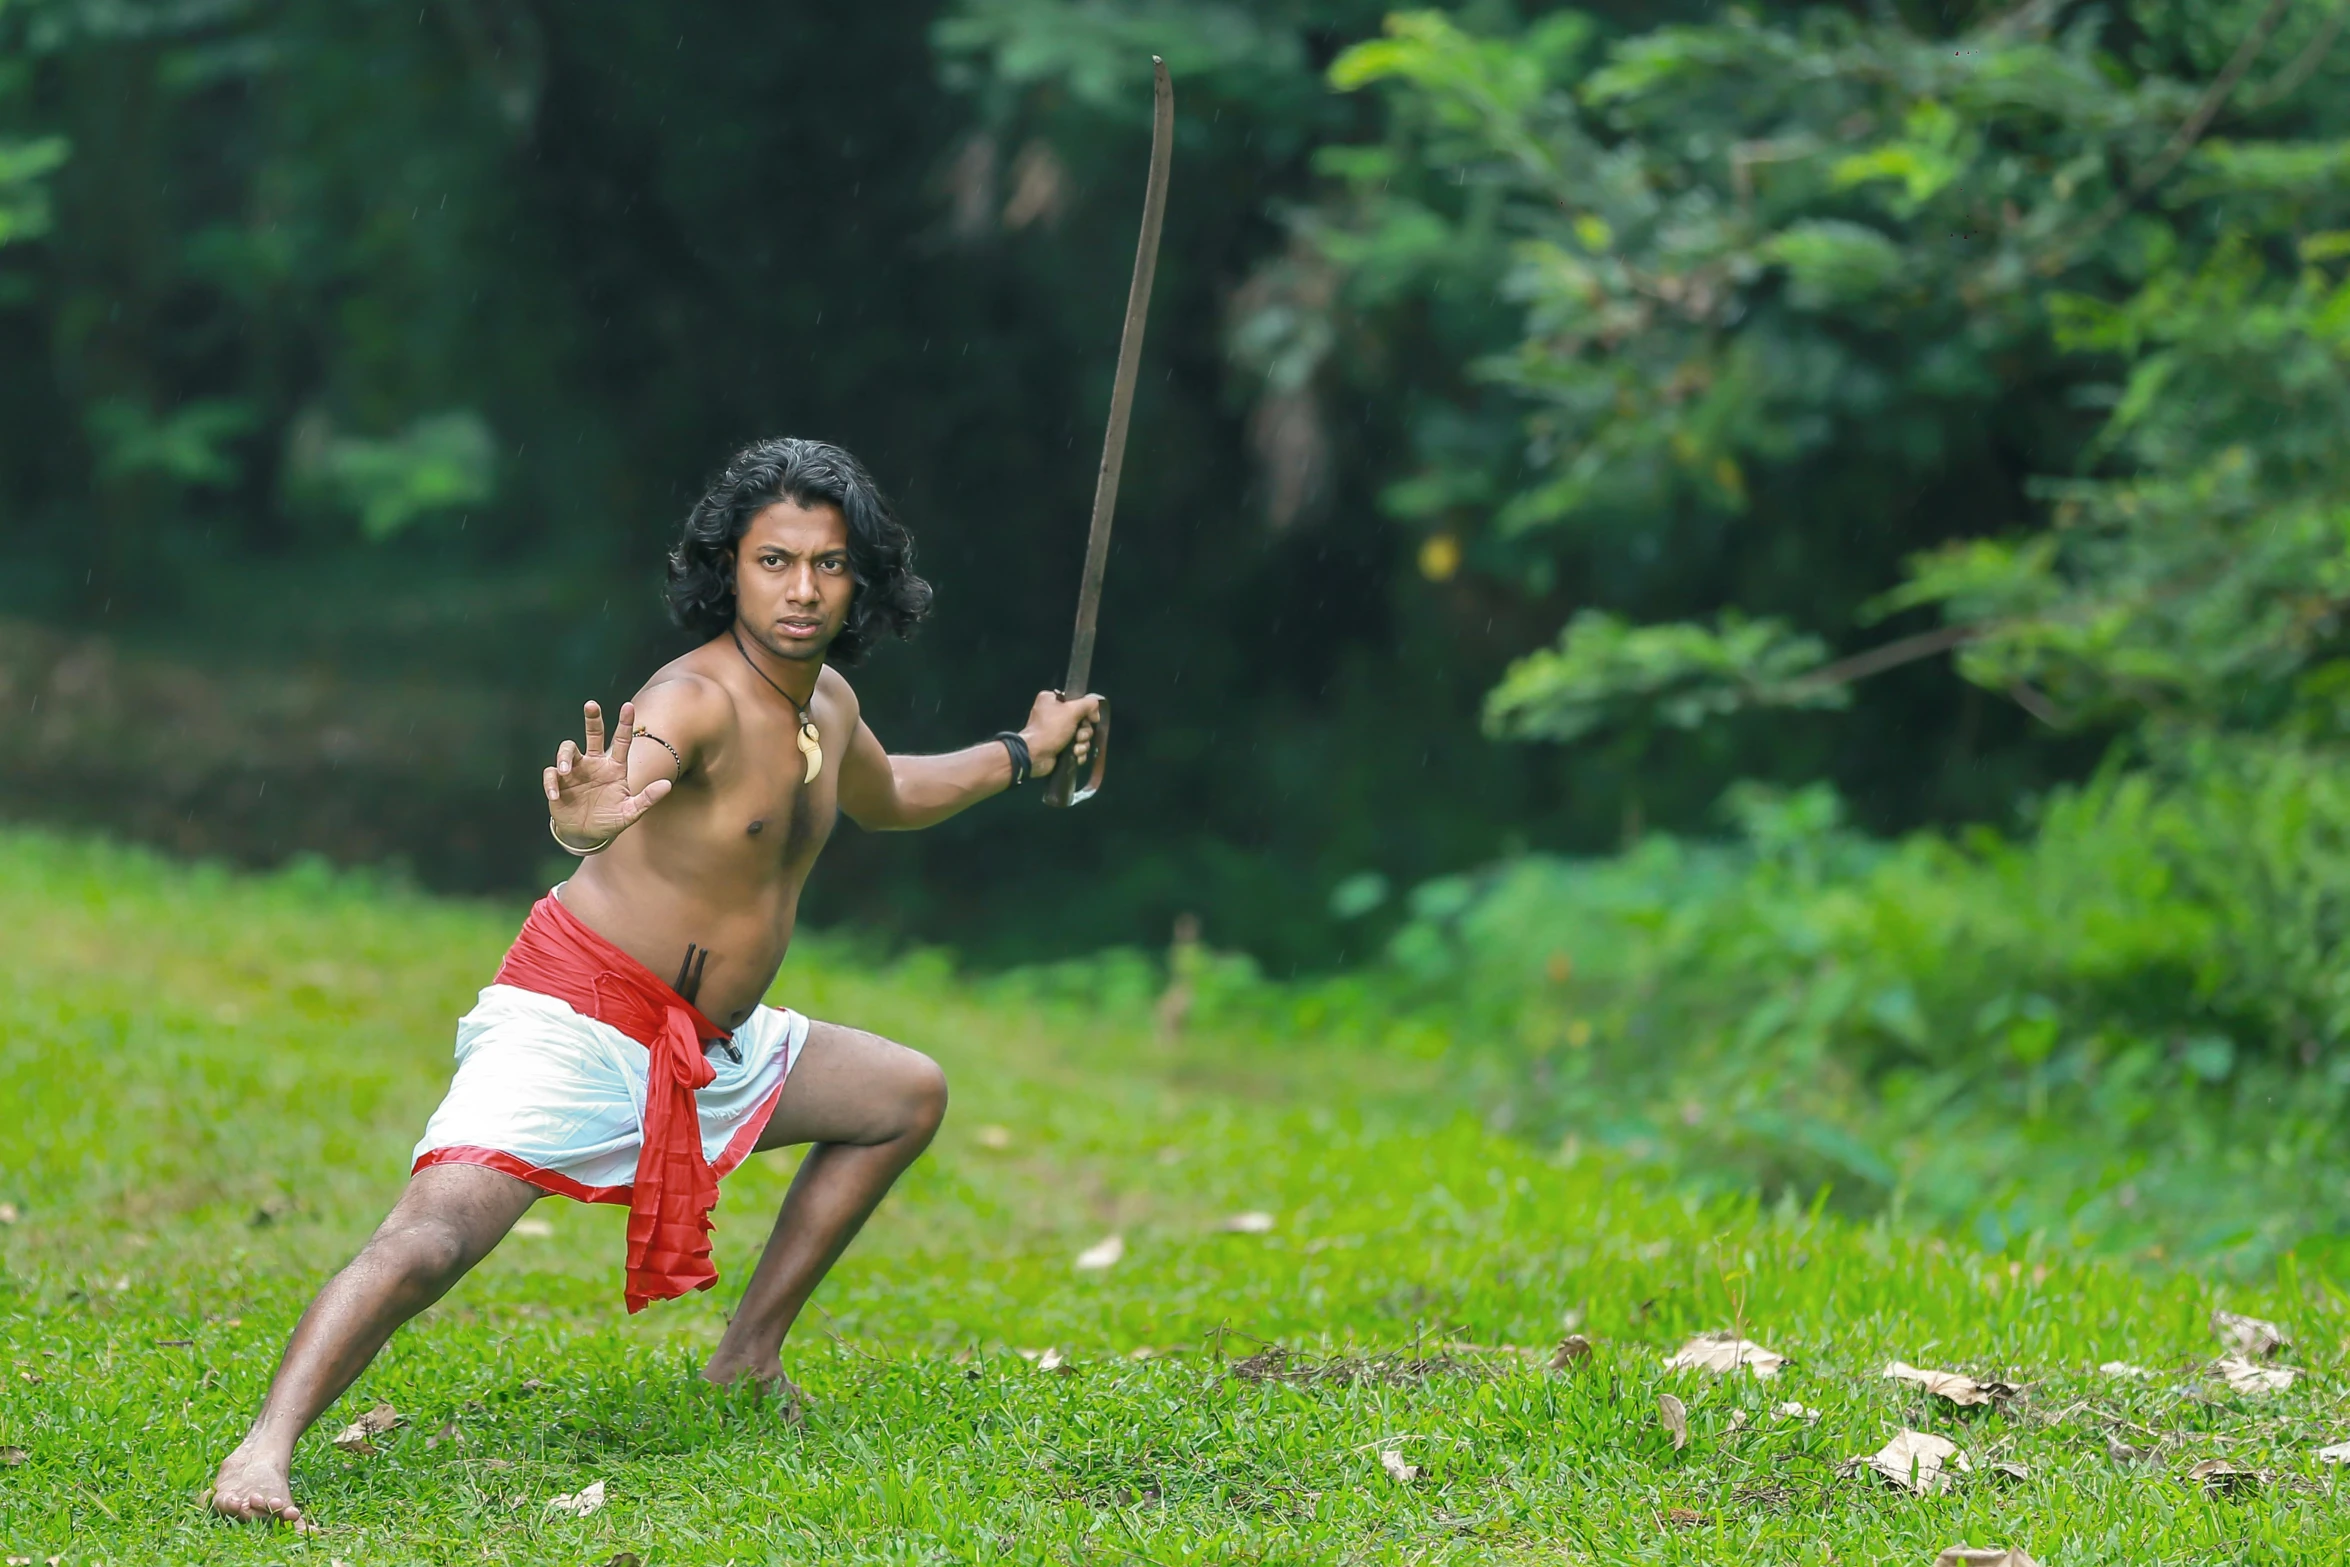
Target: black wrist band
1017,749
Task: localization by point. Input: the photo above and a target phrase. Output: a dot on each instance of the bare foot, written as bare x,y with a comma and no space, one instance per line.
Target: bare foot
251,1486
770,1382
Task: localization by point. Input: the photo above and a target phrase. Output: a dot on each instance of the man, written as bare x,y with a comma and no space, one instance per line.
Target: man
581,1071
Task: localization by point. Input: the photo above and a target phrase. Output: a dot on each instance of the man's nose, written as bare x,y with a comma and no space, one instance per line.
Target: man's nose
800,585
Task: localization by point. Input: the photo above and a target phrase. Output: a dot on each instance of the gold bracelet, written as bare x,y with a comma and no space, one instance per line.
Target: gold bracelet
568,849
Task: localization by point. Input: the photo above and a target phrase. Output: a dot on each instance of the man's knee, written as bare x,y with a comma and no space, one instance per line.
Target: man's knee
925,1095
424,1251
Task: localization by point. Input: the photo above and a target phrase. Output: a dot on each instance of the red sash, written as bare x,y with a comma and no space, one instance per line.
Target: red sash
669,1206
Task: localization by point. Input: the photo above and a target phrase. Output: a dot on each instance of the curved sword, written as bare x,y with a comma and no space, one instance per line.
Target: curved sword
1062,788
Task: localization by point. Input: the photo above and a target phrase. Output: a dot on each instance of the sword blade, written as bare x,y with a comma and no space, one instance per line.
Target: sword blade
1138,305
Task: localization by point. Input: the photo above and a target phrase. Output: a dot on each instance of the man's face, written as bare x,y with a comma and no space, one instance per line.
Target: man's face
791,578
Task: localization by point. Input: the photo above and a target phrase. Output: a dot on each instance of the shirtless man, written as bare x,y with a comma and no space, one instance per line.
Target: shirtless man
583,1071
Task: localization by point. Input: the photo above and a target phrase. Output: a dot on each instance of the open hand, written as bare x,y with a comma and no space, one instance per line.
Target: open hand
587,791
1057,724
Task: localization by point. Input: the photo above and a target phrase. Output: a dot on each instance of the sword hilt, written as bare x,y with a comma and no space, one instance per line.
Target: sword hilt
1060,785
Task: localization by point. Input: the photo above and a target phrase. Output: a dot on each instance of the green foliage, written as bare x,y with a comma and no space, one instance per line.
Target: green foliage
25,161
1604,671
1741,250
24,200
191,445
437,464
1099,51
2132,1025
220,1079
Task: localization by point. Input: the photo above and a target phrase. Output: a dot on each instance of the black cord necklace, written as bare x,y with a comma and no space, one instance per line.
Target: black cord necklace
809,739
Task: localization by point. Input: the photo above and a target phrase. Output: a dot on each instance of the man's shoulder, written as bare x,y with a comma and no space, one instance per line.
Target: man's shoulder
833,686
687,696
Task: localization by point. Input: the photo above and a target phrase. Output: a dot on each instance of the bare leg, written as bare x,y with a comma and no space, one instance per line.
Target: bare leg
447,1220
870,1107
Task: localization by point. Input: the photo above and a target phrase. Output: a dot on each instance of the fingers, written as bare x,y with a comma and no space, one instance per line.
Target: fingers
595,729
643,800
622,735
554,789
565,755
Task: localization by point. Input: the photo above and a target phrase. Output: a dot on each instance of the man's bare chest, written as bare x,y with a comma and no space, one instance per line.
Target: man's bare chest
767,810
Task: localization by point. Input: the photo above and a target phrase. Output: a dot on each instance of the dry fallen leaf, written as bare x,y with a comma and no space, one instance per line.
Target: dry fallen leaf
1984,1556
1791,1410
2225,1479
8,1213
1102,1254
1687,1518
998,1138
2243,1376
10,1457
1723,1353
1916,1461
372,1424
2122,1368
533,1229
1397,1470
1249,1223
1052,1360
447,1433
2248,1337
2009,1469
2339,1453
1675,1416
625,1559
1963,1391
580,1503
497,1463
1574,1350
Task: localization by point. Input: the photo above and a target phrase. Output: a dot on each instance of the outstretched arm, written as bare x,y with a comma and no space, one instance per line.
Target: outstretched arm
884,793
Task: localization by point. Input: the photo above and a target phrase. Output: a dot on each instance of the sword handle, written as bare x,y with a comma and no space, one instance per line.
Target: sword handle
1060,785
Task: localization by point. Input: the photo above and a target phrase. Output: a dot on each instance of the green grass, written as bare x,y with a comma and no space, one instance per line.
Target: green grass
215,1082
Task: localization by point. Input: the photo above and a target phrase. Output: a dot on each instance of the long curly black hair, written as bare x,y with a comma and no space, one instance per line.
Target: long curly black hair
889,597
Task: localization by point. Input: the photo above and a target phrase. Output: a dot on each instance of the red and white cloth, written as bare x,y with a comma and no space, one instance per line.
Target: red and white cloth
584,1074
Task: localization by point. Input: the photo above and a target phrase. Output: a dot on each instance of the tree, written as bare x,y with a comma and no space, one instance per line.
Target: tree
1740,289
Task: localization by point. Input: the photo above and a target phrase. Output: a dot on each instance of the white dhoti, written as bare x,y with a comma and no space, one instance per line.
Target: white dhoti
557,1099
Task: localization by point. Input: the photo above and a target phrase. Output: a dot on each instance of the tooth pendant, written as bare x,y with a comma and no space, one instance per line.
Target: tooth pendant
813,751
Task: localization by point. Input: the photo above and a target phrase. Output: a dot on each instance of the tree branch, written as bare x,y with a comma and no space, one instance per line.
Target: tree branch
1892,655
2183,139
2192,128
2288,81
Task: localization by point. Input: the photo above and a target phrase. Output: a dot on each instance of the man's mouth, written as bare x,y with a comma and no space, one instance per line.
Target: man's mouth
799,628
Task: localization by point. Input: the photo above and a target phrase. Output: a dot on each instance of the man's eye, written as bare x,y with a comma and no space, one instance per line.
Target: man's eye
836,567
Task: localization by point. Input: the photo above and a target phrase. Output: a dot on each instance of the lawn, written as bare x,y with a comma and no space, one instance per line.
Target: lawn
215,1082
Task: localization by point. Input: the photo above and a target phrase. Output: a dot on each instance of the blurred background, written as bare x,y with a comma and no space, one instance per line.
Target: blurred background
1814,537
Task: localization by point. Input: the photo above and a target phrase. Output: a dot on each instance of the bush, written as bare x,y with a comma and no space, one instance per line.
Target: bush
2150,987
2126,1028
